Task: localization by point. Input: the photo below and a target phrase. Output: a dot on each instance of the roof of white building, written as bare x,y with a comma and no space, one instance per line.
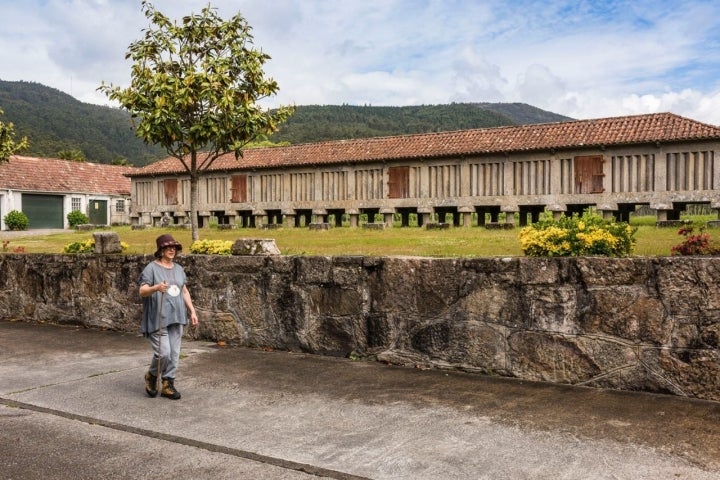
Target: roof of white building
52,175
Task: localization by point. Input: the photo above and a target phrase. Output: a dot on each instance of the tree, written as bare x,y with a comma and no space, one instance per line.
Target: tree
8,145
195,87
72,154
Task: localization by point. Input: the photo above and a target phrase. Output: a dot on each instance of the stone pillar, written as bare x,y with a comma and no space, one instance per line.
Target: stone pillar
387,214
510,211
204,218
424,215
466,213
354,215
557,211
260,218
319,215
716,206
607,210
661,210
181,218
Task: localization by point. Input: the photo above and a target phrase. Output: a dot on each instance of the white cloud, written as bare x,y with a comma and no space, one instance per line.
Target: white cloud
474,77
582,59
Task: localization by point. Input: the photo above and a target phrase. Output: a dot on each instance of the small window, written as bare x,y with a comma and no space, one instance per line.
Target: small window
75,204
120,206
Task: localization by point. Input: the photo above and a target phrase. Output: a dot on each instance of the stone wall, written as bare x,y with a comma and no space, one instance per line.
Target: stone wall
649,324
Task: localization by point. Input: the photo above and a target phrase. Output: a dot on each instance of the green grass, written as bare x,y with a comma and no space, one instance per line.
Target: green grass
411,241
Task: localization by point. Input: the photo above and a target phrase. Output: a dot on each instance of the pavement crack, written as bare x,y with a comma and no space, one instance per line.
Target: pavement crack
72,380
189,442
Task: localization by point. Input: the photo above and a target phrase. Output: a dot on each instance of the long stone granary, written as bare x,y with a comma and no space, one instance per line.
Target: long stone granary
614,164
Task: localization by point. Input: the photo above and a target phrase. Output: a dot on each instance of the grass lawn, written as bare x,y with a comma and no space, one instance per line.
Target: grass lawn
412,241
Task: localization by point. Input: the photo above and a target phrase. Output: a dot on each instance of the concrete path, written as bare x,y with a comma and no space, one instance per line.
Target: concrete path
72,406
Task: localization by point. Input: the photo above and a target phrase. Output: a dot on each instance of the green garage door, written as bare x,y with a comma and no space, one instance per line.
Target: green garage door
43,211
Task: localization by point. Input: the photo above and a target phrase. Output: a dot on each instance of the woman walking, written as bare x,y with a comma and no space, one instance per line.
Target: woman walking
166,303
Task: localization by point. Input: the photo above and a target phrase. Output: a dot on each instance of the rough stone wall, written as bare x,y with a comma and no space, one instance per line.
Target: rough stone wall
649,324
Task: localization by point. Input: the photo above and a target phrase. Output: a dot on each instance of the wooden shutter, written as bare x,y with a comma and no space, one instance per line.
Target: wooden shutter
170,186
238,188
589,174
398,182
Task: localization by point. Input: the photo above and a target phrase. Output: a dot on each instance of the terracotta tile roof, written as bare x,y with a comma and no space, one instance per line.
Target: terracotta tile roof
53,175
635,129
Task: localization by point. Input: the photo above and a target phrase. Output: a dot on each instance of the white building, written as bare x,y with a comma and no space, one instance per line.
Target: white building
47,189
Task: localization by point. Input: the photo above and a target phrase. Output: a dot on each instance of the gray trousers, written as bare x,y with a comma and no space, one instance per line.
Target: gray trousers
167,346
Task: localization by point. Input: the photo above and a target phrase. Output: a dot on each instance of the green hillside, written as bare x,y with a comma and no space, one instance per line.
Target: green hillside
54,122
313,123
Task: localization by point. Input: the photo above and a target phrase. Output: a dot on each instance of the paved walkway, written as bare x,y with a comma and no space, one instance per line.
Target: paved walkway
10,234
72,406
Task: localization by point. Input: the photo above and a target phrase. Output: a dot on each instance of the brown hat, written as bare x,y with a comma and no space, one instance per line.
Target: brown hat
166,240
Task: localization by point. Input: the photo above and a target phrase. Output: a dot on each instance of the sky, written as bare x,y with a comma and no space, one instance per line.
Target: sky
583,59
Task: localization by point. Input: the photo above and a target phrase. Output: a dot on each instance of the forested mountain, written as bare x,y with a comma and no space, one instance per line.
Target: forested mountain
55,122
313,123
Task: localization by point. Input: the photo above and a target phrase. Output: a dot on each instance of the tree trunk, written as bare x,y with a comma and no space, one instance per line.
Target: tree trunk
194,197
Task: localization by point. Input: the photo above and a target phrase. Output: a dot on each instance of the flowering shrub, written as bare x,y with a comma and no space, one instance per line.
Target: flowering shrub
212,247
87,246
588,234
695,243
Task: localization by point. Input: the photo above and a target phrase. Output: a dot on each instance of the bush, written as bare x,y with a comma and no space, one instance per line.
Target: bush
76,217
695,244
87,246
588,234
212,247
16,220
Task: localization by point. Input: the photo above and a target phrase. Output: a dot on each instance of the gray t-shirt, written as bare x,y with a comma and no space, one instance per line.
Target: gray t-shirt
173,306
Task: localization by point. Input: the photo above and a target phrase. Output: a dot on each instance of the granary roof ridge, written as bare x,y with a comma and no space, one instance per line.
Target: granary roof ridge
631,129
54,175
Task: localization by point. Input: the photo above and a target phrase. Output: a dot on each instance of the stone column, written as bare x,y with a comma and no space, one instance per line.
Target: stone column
319,215
662,210
510,211
354,215
260,218
607,210
387,214
466,213
289,218
424,215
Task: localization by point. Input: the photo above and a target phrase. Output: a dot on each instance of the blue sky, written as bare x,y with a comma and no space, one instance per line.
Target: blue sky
584,59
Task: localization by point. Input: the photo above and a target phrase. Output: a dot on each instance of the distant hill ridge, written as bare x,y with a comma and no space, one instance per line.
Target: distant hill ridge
314,123
54,121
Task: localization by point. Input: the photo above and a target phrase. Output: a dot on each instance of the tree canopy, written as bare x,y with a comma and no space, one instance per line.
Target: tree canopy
195,88
8,144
